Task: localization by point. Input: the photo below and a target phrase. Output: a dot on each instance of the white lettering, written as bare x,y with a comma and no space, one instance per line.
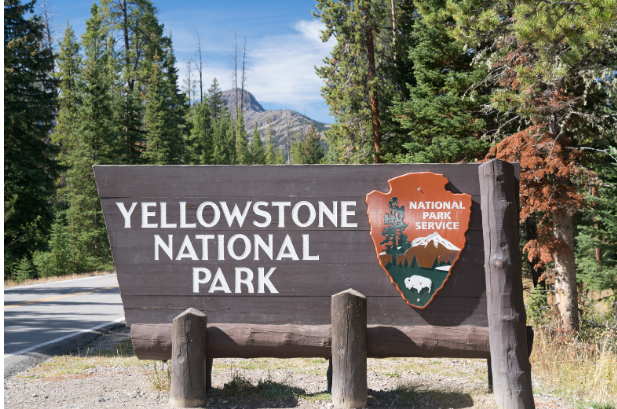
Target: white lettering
265,279
305,249
200,214
332,215
167,248
345,213
247,246
260,243
235,214
221,247
287,245
204,244
281,206
197,280
187,245
219,278
127,215
248,281
261,213
296,210
164,224
145,214
183,223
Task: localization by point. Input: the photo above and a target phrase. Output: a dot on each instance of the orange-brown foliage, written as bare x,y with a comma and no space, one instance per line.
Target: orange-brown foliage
547,167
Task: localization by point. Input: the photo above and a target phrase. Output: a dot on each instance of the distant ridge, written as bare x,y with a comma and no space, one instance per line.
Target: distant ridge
284,121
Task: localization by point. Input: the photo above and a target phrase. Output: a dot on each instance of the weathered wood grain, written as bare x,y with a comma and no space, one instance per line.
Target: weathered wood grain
188,364
504,288
447,311
153,341
347,255
279,181
349,353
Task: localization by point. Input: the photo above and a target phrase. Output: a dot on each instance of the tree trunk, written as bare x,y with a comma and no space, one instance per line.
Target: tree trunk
370,48
565,271
596,225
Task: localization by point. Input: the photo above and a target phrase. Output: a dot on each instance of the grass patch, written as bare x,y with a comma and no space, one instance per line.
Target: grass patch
42,280
266,389
580,371
309,366
393,374
160,377
84,362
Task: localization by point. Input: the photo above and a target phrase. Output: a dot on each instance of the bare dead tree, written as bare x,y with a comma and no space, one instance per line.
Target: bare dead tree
393,29
200,69
190,84
234,59
288,140
47,16
244,51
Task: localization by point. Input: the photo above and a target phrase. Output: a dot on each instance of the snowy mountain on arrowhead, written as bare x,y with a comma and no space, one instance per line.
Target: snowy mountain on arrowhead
429,249
436,239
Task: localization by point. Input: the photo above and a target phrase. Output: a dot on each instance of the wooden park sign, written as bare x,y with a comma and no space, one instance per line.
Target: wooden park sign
261,250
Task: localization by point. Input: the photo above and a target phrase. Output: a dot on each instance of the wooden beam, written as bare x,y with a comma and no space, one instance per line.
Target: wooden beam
153,341
504,287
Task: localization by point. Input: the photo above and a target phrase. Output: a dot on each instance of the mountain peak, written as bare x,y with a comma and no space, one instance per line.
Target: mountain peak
434,238
250,102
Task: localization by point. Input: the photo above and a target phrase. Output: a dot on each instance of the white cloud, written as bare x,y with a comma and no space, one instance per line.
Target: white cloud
281,68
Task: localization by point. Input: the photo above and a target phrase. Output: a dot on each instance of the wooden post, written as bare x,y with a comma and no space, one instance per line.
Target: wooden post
209,362
349,366
329,375
504,287
188,360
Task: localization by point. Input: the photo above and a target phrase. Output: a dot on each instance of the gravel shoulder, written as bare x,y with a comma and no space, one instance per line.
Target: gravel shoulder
105,374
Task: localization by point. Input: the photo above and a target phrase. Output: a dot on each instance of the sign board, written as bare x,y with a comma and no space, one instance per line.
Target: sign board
271,244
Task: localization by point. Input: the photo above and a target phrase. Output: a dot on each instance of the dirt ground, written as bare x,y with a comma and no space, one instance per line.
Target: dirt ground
107,375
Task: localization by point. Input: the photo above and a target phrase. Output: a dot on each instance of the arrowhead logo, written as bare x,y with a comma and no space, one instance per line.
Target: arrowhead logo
418,229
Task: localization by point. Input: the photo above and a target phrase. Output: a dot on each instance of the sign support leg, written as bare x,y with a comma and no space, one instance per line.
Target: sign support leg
188,360
349,353
504,286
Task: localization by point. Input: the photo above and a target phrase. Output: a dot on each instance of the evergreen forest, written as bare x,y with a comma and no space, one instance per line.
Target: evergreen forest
425,81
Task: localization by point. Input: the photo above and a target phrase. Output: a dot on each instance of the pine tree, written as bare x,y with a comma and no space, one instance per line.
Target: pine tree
30,101
160,147
274,155
69,69
308,150
243,155
258,154
141,39
550,64
94,145
364,73
596,241
59,259
443,125
25,270
200,141
223,140
178,105
215,99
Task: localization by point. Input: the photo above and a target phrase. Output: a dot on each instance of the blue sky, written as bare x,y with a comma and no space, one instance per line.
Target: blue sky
282,37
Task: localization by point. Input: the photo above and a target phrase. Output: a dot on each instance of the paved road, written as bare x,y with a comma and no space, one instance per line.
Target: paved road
36,316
